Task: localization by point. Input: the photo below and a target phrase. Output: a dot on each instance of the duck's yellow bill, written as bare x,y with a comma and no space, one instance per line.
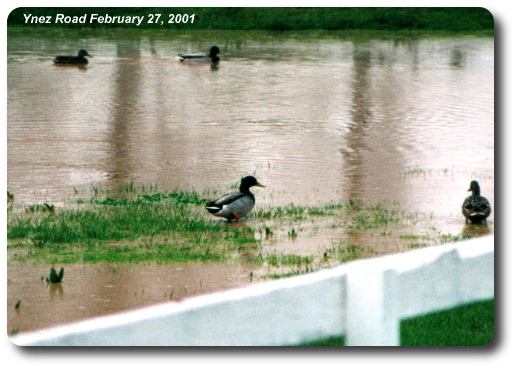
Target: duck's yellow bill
260,184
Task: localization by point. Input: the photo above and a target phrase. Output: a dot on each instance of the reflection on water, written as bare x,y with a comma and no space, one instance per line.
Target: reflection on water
123,108
475,230
317,119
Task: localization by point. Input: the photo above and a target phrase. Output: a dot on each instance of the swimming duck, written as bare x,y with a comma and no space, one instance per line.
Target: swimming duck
68,59
203,58
236,204
476,208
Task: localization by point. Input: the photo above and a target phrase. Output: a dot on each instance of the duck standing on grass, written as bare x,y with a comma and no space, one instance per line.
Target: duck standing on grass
236,204
73,60
201,58
476,208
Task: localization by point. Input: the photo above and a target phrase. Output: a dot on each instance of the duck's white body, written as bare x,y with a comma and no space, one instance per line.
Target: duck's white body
211,57
236,204
232,205
196,58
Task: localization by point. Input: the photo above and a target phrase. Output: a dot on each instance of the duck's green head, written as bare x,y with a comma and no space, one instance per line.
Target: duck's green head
83,53
247,182
474,187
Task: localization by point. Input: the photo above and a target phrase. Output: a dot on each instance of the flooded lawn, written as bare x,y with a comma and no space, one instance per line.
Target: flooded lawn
367,146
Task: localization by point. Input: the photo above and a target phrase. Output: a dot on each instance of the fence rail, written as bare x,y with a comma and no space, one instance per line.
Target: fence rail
364,300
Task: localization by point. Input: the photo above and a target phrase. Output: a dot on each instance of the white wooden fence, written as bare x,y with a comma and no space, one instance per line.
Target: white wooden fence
364,300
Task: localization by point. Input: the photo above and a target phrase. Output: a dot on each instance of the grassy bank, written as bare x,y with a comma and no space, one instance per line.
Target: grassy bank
467,325
289,19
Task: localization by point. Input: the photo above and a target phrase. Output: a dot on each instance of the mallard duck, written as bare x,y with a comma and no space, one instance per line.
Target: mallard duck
476,208
236,204
203,58
69,59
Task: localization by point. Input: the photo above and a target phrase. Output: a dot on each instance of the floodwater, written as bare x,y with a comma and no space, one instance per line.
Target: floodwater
92,290
316,117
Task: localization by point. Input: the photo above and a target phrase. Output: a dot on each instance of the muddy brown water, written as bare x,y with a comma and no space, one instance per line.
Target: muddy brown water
317,119
92,290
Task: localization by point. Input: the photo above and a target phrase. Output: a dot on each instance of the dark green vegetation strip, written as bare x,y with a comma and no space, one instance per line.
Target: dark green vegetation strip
467,325
289,19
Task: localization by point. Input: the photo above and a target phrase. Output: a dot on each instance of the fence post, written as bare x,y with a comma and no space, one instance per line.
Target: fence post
371,314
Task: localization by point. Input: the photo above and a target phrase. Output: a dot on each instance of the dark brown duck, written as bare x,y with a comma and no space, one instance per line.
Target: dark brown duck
476,208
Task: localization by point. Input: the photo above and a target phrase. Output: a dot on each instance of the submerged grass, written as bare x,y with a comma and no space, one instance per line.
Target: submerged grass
367,216
138,223
133,226
345,252
132,194
293,271
358,214
295,212
276,260
33,208
418,240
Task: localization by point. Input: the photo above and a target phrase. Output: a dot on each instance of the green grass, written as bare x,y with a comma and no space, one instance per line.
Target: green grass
176,197
187,249
131,226
155,252
289,19
138,223
111,223
467,325
116,218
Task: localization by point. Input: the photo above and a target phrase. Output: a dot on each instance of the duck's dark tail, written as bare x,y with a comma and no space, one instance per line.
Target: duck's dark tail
212,207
